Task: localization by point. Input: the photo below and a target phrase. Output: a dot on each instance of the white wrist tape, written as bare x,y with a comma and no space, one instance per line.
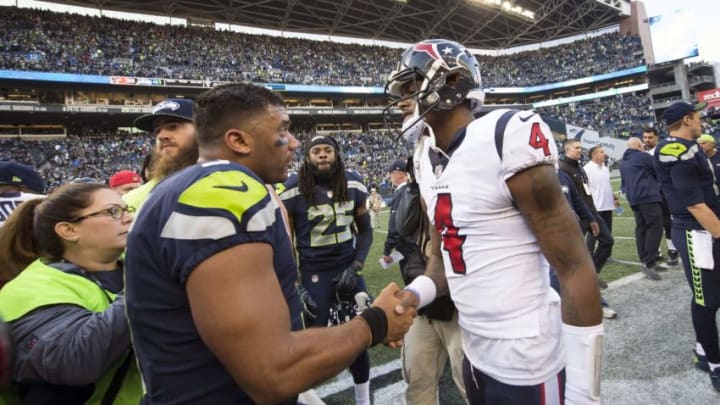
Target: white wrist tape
424,288
583,345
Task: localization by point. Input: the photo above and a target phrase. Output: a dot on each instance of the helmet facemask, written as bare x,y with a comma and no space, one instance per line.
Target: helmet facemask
445,73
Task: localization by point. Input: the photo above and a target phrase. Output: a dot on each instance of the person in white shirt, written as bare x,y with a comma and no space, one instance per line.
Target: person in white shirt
600,188
18,183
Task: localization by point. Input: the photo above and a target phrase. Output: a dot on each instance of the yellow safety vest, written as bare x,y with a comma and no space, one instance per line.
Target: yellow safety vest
40,285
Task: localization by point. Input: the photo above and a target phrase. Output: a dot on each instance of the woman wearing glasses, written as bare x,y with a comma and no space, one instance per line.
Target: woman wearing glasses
65,307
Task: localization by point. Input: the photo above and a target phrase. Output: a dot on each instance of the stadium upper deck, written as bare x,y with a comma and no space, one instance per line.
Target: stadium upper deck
482,24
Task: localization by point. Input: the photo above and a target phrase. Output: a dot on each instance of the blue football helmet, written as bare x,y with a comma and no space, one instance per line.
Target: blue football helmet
445,74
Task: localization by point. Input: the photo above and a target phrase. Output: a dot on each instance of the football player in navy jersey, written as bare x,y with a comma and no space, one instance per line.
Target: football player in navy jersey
210,276
324,201
497,211
687,180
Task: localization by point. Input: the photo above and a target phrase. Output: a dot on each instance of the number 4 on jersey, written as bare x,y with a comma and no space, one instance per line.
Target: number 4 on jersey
538,140
452,240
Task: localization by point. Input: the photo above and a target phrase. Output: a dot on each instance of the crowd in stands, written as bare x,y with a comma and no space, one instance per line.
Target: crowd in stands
100,155
43,41
621,116
587,57
62,160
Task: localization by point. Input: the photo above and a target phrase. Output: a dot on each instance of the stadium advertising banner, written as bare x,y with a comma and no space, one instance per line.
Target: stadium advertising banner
281,87
588,138
111,109
711,97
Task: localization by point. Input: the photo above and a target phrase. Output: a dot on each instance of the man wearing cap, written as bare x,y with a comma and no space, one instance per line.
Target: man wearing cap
175,146
125,181
325,202
707,144
688,182
398,178
18,183
434,337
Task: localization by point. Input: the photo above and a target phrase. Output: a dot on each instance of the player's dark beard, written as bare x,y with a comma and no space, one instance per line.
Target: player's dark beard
166,165
324,174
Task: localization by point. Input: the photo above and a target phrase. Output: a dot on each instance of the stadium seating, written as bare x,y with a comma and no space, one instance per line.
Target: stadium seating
99,155
43,41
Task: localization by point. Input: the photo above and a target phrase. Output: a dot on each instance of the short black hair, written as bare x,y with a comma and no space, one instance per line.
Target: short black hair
651,129
222,107
593,149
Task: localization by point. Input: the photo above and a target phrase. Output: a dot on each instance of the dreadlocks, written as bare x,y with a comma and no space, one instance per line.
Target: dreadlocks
307,175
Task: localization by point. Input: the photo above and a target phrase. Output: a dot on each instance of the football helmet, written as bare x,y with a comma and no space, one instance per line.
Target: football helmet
444,73
342,311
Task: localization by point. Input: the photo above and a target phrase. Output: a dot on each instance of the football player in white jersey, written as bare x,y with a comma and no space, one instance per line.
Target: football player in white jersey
498,213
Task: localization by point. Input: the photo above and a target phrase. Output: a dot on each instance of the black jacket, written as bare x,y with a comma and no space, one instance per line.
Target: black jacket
572,194
579,177
639,182
409,241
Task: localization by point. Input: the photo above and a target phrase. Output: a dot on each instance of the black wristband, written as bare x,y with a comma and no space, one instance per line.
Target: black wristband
377,321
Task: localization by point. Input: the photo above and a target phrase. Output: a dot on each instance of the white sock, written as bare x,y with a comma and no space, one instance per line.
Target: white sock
362,393
670,245
699,349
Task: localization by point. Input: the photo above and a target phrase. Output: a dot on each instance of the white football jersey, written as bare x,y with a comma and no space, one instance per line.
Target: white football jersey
10,201
497,275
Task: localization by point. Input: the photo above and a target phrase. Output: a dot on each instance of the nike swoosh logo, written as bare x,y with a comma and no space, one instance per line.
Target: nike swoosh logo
525,119
242,187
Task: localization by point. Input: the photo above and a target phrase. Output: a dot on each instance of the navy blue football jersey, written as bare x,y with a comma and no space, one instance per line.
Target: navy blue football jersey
686,178
189,217
323,232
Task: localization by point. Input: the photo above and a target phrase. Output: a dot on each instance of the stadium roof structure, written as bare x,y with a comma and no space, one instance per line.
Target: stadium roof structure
480,24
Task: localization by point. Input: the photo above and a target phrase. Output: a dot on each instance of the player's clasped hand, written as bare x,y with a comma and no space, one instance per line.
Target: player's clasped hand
398,324
407,304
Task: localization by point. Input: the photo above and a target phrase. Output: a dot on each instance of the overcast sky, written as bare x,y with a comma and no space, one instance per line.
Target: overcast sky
705,12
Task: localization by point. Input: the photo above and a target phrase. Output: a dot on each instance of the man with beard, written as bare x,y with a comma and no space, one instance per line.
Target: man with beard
324,203
175,146
651,138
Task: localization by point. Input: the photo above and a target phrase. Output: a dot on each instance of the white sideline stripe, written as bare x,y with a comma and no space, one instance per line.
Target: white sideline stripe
347,382
391,394
630,262
624,237
625,280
